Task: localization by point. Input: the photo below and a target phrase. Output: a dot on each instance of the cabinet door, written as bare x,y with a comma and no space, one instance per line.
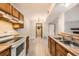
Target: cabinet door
21,17
49,44
52,47
7,52
21,25
10,9
60,51
15,13
16,26
6,7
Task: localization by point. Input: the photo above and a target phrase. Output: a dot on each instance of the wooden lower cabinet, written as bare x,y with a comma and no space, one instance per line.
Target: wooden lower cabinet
60,51
55,49
6,52
51,46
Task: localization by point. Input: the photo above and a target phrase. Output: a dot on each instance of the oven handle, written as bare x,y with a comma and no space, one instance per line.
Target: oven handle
15,45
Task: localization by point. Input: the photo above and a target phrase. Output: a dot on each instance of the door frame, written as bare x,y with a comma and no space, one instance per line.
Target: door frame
41,29
54,28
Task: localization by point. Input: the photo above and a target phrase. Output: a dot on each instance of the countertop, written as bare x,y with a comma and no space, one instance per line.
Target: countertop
6,45
74,51
3,47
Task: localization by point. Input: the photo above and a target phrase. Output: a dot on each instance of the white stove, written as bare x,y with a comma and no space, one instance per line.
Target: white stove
17,44
18,47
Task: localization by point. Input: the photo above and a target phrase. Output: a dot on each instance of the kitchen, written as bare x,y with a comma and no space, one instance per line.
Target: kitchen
11,43
32,29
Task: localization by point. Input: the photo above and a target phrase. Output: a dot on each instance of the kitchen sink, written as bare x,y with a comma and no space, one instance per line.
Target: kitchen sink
59,38
66,42
70,43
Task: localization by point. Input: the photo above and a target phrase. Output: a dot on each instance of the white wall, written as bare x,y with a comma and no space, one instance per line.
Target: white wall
71,24
27,28
56,17
72,18
61,23
72,14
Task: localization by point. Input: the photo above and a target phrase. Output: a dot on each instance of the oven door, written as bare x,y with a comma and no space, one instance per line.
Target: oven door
18,48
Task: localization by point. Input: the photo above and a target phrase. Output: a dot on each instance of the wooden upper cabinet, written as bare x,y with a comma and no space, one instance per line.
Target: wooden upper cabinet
15,13
9,9
6,7
21,17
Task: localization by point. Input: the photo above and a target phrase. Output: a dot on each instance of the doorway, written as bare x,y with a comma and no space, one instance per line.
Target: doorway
52,29
39,31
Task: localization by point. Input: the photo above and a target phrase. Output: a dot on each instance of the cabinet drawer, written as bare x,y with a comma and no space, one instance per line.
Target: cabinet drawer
7,52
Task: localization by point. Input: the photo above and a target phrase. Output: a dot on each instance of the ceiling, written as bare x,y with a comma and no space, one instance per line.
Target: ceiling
34,10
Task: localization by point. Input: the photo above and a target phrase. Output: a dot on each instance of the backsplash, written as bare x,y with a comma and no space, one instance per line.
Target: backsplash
5,26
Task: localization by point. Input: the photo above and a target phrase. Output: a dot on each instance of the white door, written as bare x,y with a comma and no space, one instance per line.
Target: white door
51,29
